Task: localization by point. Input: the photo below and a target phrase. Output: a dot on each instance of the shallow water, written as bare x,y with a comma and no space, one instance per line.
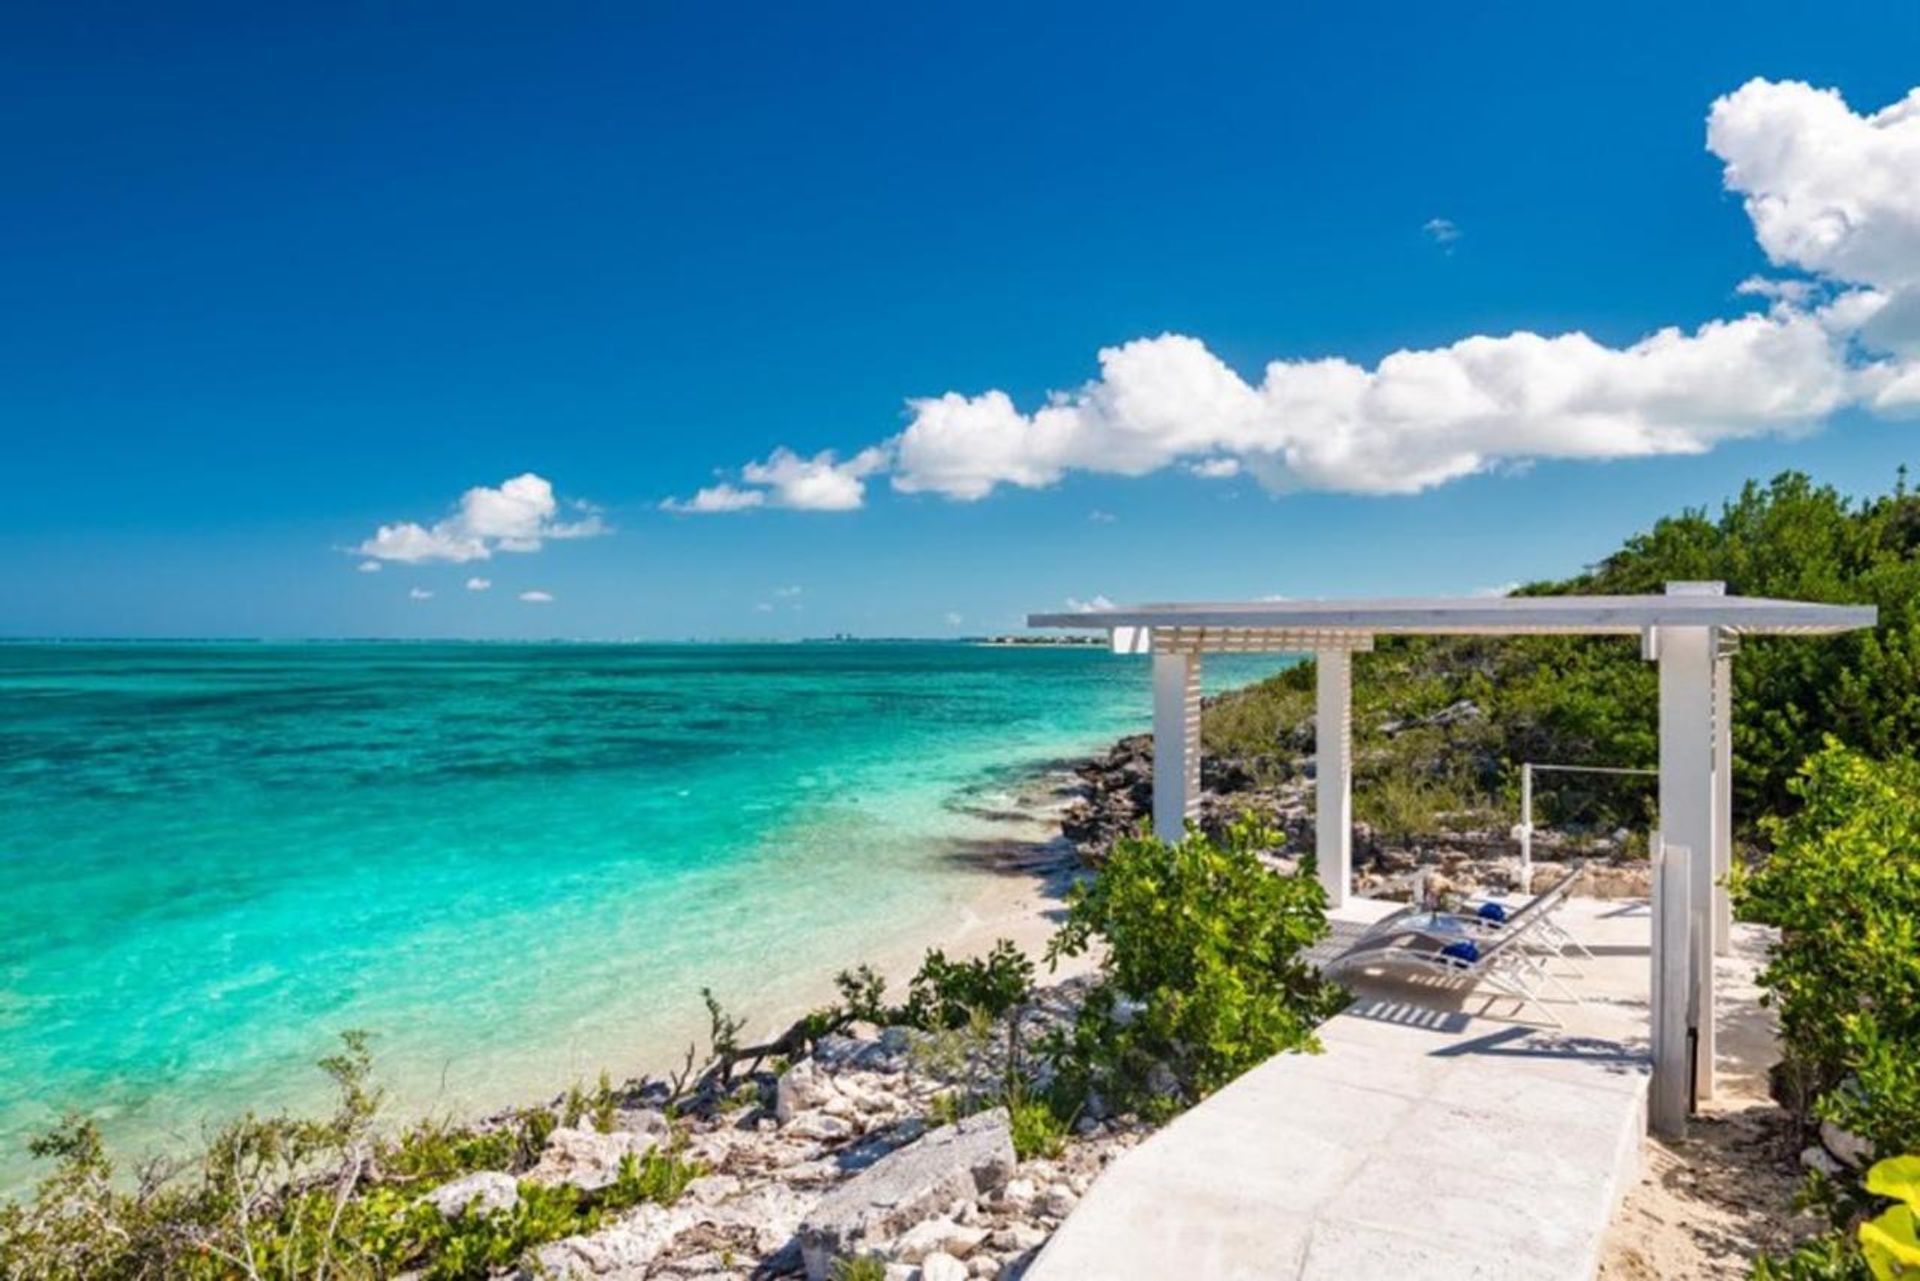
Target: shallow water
515,864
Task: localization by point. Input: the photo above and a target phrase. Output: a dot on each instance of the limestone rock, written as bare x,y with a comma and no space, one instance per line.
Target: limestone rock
588,1159
476,1194
951,1165
802,1088
942,1267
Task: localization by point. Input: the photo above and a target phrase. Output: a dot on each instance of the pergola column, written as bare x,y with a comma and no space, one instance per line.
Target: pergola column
1723,795
1333,773
1688,657
1176,742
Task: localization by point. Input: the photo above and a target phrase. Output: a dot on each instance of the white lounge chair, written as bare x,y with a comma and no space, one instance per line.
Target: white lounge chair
1500,961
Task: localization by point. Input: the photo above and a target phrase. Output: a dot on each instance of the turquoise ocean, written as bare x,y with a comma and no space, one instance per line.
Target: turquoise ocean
513,864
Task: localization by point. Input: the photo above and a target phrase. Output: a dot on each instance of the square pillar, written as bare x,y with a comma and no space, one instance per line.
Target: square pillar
1723,796
1176,743
1333,773
1687,656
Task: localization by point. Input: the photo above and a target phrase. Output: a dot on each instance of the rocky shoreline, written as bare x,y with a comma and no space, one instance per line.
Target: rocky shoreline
838,1156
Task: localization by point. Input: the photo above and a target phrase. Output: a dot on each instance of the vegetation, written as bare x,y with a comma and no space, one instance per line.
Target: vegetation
1203,975
1441,724
291,1197
1843,886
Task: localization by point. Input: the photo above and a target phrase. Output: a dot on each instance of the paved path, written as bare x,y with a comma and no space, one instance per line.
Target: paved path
1435,1138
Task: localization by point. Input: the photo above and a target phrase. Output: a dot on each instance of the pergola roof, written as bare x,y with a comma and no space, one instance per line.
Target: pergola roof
1478,615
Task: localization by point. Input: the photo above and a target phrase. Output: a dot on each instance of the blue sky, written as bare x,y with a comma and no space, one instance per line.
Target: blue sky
274,277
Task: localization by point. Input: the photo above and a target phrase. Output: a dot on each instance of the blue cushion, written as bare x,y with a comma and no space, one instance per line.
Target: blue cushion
1464,950
1492,912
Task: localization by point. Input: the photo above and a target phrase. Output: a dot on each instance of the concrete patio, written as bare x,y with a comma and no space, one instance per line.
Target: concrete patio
1443,1134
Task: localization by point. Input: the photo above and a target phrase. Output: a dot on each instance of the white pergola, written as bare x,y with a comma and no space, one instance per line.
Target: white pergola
1692,632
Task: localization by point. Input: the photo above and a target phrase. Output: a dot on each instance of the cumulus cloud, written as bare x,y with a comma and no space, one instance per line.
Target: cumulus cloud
369,567
821,483
518,516
1442,231
954,618
1834,199
419,593
788,593
477,584
1078,606
536,597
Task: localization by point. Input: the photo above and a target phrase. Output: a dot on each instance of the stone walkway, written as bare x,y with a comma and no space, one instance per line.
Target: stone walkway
1439,1136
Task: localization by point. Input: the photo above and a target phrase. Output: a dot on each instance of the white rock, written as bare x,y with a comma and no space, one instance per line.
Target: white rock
963,1241
1818,1158
712,1187
1060,1201
586,1158
481,1193
1018,1194
1848,1146
985,1267
820,1125
922,1239
942,1267
1019,1237
901,1272
802,1088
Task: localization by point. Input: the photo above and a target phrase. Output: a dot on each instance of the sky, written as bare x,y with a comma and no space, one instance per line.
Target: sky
647,321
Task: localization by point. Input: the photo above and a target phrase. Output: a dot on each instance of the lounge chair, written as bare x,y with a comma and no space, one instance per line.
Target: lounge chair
1500,961
1534,921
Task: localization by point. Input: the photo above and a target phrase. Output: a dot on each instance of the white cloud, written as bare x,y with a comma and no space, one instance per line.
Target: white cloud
419,593
763,607
369,567
954,619
1831,193
478,584
1099,517
716,498
1079,606
785,479
1496,591
518,516
536,597
787,593
1794,293
1442,231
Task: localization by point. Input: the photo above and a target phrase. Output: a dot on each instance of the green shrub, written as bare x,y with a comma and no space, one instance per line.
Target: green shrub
946,994
1038,1131
1202,975
1843,887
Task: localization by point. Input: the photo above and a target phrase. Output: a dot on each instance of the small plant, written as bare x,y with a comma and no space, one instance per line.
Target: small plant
945,994
1891,1241
865,1267
1038,1131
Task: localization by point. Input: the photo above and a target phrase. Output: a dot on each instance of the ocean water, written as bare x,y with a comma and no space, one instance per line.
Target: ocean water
514,864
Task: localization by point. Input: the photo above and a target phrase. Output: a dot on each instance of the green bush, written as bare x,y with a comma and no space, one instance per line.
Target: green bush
1843,887
946,994
1202,975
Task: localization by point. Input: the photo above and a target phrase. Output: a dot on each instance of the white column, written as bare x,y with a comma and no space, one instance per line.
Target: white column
1176,743
1668,1099
1686,811
1333,773
1722,800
